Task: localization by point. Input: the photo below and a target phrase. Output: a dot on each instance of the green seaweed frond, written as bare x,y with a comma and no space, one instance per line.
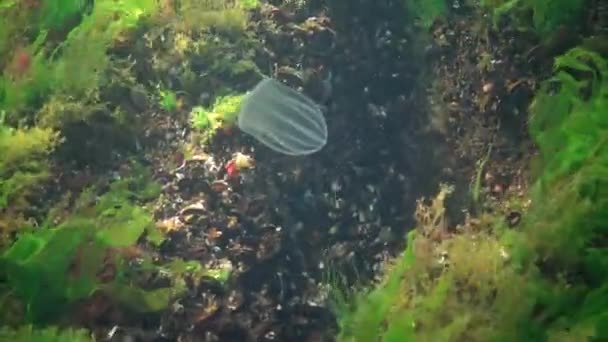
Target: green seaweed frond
249,4
542,16
426,11
28,333
77,65
168,100
546,280
55,14
53,266
24,164
570,125
223,112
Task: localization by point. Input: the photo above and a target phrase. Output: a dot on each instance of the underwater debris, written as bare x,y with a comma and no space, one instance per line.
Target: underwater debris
238,163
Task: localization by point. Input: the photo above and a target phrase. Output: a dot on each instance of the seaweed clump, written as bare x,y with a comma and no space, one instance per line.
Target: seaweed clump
28,333
74,65
223,113
90,252
544,282
544,17
23,166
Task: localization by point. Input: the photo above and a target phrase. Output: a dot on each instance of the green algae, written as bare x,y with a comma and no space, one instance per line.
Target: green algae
426,12
222,113
24,165
544,282
51,267
544,17
75,65
28,333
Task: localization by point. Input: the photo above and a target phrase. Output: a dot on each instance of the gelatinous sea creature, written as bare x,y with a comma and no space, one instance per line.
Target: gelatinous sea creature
283,119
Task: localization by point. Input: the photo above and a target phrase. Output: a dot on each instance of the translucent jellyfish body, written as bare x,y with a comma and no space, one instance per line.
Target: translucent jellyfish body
283,119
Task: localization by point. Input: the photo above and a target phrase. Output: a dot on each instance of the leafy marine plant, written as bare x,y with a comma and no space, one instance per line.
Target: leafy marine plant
27,333
426,12
546,281
570,126
249,4
51,267
462,288
542,16
364,320
56,14
82,58
227,17
75,65
569,123
168,100
222,113
23,165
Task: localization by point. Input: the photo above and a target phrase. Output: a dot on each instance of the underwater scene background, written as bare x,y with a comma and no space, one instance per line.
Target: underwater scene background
460,194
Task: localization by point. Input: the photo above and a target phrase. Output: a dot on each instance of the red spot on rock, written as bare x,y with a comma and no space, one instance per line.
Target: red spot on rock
231,169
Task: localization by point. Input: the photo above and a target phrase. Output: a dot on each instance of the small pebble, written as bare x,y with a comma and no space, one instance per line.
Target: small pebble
488,87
